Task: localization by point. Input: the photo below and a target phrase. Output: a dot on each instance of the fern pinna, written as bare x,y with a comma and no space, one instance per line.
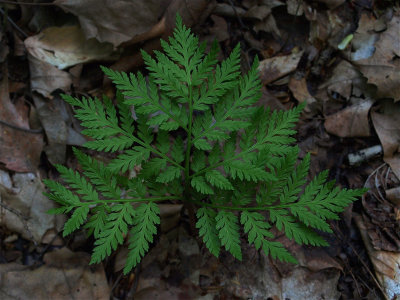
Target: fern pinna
199,138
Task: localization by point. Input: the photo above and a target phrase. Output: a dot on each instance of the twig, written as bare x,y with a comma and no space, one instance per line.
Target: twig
237,15
12,23
27,3
34,131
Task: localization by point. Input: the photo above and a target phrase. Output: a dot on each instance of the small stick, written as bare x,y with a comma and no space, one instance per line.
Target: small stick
364,154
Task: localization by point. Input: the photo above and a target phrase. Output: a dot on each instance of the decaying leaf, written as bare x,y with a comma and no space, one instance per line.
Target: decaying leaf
66,46
46,78
351,121
20,148
299,89
115,21
65,275
383,68
53,115
386,264
24,206
344,79
387,126
276,67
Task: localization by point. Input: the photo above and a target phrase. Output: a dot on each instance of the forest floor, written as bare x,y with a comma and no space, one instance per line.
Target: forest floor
341,58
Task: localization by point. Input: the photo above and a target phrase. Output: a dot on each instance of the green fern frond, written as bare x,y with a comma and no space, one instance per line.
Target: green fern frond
207,229
102,124
76,220
201,185
97,222
257,229
192,132
112,235
144,228
104,180
228,232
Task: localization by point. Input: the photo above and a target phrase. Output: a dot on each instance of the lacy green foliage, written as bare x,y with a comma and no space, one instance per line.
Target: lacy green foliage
198,138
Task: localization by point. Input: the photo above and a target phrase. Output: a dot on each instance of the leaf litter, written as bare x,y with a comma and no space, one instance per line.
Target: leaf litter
351,95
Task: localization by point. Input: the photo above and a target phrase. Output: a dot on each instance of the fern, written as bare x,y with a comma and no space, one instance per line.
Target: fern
196,137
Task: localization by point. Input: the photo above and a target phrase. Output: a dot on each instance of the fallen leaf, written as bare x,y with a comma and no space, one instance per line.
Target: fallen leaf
54,118
276,67
383,69
386,264
65,275
116,21
387,126
220,29
300,92
46,78
364,38
344,80
24,206
20,149
351,121
66,46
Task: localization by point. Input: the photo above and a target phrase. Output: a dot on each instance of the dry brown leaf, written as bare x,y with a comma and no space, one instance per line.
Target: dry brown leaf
25,207
65,275
53,116
115,21
344,79
386,264
387,126
276,67
299,89
329,25
46,78
19,150
351,121
383,68
364,38
66,46
220,29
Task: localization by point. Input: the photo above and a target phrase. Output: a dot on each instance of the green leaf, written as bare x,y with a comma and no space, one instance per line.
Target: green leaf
202,144
104,180
97,221
228,232
143,230
177,152
153,167
257,229
218,180
113,233
129,159
77,219
201,186
207,229
102,124
244,170
198,161
169,174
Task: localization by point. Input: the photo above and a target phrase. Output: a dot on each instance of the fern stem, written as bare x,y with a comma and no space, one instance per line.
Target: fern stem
148,146
151,199
189,140
212,167
241,208
224,117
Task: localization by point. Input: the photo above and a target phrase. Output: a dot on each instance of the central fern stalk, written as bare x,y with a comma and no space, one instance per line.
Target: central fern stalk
189,140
